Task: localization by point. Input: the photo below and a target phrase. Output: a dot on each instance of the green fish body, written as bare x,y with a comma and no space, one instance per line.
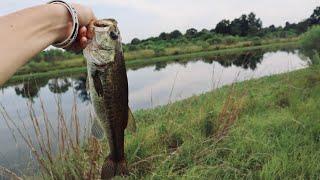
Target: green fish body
108,86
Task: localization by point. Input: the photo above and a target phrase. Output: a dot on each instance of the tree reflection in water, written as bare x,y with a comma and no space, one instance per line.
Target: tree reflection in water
80,88
246,60
160,65
59,86
30,89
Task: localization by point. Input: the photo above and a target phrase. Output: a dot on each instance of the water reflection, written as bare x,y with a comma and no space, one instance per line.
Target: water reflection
30,89
160,65
80,88
245,60
59,86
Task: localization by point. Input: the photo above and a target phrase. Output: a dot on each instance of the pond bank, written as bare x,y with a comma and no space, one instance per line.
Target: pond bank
262,128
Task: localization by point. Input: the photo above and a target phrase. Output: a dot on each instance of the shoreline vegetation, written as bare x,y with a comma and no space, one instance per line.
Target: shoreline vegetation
78,65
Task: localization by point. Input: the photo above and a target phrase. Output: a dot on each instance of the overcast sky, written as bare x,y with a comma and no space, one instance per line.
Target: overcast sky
145,18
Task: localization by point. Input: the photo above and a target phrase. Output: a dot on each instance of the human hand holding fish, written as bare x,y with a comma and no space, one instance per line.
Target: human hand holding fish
29,31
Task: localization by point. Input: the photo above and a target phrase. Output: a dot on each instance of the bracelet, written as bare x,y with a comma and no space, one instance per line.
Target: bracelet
75,24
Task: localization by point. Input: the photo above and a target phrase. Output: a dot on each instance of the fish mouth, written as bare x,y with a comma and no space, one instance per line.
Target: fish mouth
103,23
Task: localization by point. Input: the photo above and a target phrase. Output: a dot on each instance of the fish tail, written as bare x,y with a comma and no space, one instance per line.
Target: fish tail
97,130
112,168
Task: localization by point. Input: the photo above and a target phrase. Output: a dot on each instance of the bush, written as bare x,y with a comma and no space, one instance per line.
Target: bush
159,51
311,39
132,47
214,41
256,41
315,58
230,40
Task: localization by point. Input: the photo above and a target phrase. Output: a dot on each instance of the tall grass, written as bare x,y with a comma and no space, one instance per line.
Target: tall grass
62,152
4,172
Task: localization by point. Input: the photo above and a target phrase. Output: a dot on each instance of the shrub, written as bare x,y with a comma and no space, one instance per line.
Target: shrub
158,51
256,41
214,41
311,39
230,40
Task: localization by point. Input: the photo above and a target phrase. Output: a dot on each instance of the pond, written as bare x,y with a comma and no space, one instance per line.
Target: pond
149,87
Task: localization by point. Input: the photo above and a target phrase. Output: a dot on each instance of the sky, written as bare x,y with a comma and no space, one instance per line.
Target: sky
145,18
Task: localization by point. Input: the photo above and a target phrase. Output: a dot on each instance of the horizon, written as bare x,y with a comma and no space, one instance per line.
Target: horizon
143,19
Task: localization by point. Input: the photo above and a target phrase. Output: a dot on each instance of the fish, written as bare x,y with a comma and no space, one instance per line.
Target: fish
108,87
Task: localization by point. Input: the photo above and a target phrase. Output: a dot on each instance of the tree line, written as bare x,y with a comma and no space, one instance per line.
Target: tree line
248,27
245,25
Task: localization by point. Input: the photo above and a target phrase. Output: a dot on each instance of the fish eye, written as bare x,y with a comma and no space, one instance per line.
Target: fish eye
114,35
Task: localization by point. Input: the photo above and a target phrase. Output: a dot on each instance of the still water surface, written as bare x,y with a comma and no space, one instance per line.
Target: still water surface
148,86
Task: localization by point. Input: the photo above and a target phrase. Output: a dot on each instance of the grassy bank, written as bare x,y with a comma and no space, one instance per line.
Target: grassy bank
76,66
267,128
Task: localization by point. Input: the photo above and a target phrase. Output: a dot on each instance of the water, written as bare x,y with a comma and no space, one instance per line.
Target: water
148,86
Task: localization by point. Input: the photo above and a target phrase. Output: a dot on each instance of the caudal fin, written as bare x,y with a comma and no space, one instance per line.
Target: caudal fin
111,169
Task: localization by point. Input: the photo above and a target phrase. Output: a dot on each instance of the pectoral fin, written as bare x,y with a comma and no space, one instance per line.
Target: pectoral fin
97,130
132,127
97,83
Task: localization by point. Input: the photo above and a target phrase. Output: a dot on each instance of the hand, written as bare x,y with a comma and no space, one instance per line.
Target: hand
85,15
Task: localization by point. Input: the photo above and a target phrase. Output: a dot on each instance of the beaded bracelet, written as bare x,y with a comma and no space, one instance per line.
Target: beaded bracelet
75,24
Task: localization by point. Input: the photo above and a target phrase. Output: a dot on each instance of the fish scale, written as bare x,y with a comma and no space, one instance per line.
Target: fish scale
108,86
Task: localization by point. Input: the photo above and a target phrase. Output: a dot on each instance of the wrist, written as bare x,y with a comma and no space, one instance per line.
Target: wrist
61,22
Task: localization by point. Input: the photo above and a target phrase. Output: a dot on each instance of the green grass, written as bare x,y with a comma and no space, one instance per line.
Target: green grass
272,132
75,66
267,128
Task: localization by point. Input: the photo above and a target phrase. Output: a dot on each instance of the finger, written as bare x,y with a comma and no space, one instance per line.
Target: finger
83,42
75,47
90,30
83,31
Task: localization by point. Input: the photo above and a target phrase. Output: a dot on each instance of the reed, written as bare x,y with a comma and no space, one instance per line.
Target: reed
61,152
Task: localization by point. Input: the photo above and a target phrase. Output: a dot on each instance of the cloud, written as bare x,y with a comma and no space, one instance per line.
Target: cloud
144,18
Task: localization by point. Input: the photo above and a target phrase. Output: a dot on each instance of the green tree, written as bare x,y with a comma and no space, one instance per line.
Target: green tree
175,34
246,25
135,41
191,33
223,27
315,17
164,36
254,24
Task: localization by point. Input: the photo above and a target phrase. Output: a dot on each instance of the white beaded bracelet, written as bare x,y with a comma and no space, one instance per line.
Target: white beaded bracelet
75,24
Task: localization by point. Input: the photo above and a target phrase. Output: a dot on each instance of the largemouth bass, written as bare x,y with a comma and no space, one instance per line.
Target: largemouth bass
108,86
